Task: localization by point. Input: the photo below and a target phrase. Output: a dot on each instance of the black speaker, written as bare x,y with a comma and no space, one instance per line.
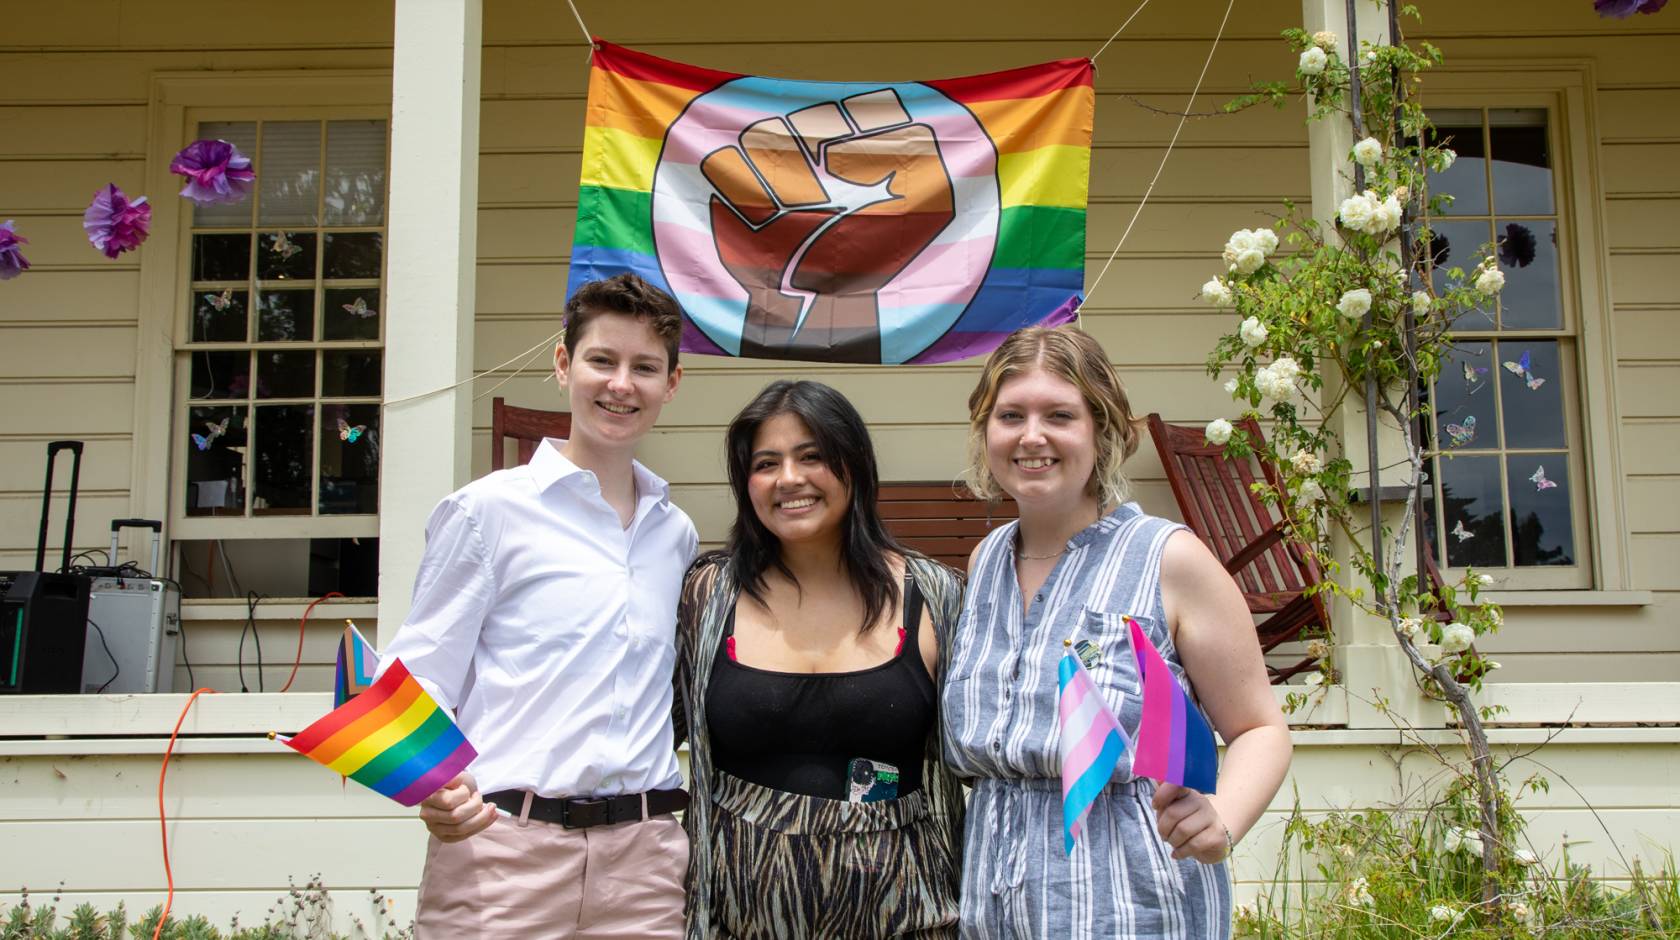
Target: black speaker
44,616
43,632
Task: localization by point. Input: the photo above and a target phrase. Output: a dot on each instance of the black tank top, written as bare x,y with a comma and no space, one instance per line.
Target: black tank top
799,732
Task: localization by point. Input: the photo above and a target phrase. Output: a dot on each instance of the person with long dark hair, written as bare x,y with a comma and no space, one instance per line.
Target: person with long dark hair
808,656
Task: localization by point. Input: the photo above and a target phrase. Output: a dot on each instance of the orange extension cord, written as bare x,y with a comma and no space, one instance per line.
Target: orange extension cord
301,624
163,824
169,751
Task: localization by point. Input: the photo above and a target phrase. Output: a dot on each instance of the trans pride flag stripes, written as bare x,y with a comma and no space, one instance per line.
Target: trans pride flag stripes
393,738
1174,742
1092,742
885,222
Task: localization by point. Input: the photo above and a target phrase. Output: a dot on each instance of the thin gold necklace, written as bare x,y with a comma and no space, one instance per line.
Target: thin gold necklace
1055,554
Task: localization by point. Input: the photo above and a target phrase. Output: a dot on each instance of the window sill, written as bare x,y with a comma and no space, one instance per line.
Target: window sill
1569,598
289,608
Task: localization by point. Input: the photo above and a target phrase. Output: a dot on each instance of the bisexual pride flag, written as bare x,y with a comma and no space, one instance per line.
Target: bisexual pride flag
1174,742
1092,743
875,222
393,738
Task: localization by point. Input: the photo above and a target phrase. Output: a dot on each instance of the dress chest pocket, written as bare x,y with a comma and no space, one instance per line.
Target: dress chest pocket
1116,669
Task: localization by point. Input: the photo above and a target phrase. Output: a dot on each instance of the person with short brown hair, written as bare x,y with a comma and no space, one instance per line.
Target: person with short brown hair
544,616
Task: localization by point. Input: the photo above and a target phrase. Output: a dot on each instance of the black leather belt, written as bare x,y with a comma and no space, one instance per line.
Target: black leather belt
582,812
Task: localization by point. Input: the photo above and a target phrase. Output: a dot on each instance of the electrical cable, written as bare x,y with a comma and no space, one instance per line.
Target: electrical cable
227,569
117,667
298,659
185,659
163,821
251,600
76,569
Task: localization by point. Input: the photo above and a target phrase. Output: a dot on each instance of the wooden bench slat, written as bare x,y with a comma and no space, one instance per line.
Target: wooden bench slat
941,520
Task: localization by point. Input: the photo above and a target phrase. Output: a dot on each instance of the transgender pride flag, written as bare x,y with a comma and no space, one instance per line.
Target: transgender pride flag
1091,743
873,222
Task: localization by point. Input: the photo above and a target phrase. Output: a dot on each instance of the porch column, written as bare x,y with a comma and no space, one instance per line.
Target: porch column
1368,657
432,253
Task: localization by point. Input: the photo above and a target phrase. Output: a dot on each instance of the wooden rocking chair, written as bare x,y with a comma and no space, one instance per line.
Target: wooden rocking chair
527,426
1246,535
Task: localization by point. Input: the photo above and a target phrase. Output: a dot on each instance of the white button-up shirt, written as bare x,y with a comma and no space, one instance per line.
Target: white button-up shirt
549,628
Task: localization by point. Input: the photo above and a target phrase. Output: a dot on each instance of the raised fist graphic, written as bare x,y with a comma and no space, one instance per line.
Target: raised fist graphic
815,211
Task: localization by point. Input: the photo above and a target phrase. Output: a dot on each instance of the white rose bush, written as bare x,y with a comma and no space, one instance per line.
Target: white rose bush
1323,314
1342,302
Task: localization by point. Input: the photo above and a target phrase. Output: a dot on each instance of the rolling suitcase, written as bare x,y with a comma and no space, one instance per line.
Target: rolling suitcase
134,624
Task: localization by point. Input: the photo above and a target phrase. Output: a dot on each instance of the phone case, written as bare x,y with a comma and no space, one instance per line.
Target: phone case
870,781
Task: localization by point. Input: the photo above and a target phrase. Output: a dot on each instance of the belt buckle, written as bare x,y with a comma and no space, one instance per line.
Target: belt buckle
593,811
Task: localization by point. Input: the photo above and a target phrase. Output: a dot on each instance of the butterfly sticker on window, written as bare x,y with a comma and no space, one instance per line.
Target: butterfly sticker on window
1460,532
1473,377
214,429
1521,368
284,247
350,433
222,301
1461,434
360,308
1539,480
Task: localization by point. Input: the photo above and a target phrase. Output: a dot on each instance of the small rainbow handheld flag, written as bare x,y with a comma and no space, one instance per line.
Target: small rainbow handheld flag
1174,742
1091,744
394,738
357,663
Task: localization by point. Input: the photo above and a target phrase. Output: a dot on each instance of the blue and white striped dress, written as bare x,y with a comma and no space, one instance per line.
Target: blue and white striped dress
999,711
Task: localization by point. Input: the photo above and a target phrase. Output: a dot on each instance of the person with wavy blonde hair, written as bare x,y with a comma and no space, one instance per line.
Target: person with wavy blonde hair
1051,427
1076,358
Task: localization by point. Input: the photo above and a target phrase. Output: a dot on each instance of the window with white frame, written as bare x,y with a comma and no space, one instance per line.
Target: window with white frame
1507,493
279,359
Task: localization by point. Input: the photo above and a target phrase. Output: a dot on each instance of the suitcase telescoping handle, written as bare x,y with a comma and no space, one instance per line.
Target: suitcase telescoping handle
53,447
156,526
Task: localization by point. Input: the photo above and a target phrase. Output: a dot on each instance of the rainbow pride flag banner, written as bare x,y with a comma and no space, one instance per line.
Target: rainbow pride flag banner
1174,742
1092,743
393,738
872,222
356,665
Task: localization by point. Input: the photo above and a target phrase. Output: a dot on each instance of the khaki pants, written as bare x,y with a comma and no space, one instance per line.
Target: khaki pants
543,880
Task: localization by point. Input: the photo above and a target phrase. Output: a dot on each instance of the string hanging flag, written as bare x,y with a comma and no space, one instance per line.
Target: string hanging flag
394,739
872,222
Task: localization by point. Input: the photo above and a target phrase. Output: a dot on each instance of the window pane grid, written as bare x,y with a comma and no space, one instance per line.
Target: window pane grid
277,393
1501,493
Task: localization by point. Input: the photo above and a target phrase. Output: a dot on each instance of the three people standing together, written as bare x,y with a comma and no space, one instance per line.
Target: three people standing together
872,745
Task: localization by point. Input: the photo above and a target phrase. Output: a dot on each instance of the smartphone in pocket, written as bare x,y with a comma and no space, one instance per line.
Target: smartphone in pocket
870,781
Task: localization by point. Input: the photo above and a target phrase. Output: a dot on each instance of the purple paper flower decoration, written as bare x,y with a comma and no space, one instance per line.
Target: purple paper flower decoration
114,224
12,261
1622,9
215,171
